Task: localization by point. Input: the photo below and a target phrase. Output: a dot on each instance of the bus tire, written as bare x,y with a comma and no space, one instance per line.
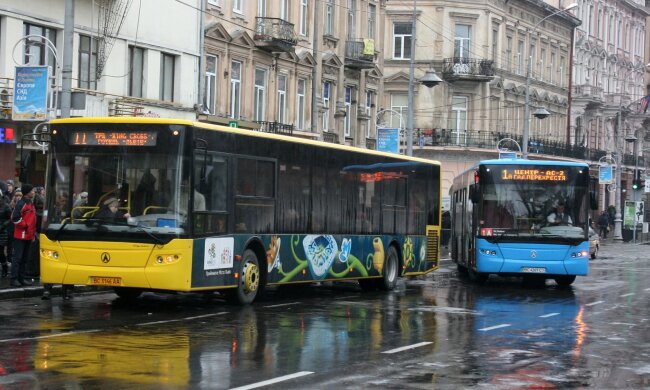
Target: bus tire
476,277
388,280
462,270
249,280
565,280
127,293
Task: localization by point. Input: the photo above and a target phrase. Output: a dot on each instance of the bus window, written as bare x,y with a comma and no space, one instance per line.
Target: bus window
255,195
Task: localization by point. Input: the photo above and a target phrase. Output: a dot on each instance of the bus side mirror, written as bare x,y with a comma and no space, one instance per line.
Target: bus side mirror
474,193
593,201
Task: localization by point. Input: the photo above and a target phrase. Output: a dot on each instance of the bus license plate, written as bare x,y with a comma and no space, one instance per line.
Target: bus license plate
105,281
533,270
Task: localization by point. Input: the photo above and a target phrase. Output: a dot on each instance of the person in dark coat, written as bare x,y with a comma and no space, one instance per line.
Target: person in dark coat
5,222
110,211
603,224
24,220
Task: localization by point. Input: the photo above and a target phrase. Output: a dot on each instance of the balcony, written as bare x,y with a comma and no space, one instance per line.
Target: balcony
6,97
274,34
467,69
331,137
275,127
360,53
371,143
485,139
587,96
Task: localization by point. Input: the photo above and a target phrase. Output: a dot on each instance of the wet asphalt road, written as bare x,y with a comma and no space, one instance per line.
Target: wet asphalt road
439,331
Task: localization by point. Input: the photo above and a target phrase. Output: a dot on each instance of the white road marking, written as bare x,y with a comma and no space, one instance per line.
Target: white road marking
594,303
494,327
182,319
412,346
274,380
626,295
282,304
549,315
49,336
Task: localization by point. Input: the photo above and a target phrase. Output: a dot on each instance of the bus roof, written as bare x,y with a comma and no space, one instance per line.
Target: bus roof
254,133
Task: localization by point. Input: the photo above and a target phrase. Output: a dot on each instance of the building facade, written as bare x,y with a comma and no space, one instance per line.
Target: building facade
123,62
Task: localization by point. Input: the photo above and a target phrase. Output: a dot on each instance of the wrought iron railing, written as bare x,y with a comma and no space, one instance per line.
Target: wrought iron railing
371,143
331,137
461,66
270,29
275,127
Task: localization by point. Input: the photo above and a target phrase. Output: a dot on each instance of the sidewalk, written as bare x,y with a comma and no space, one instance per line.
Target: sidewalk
36,290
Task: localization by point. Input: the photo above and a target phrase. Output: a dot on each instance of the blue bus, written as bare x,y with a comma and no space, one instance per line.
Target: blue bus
529,218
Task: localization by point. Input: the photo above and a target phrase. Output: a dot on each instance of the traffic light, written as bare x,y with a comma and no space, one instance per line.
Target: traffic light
637,183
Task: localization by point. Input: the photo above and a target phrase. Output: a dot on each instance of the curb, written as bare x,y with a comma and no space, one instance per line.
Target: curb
37,291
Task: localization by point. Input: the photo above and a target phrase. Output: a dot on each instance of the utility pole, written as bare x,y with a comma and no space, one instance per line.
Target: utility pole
409,118
618,231
66,73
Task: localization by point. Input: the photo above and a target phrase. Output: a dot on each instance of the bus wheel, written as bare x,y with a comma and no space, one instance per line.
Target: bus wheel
127,293
462,270
565,280
477,277
391,266
249,280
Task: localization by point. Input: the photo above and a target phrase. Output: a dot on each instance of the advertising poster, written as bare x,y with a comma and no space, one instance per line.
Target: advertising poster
30,93
388,140
605,175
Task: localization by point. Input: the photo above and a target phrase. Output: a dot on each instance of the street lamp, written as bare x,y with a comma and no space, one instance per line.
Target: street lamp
528,72
429,80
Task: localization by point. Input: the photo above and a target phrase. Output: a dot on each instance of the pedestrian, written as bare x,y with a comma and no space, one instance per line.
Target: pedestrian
24,221
603,224
5,221
9,192
17,196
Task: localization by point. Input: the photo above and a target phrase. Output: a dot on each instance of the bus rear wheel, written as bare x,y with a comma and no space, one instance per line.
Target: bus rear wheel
249,280
391,267
565,280
127,293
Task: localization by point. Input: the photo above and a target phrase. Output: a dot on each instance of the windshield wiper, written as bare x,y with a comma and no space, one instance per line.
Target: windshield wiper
102,222
60,229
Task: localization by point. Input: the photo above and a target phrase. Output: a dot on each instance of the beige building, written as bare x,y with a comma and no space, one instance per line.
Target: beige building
309,68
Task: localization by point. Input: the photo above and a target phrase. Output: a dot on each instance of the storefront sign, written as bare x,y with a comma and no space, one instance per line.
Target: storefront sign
30,93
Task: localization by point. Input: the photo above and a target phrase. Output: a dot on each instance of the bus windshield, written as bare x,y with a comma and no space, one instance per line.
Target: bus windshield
126,182
537,203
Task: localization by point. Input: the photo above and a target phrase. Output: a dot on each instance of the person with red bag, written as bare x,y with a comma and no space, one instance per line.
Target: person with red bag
24,219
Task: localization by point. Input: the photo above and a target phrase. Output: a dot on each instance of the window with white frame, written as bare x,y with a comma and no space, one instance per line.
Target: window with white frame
495,45
136,69
352,19
542,70
87,62
532,51
167,72
282,98
284,9
301,103
259,103
348,111
402,41
329,17
520,57
214,2
36,51
462,41
561,81
235,89
327,90
551,73
459,118
238,6
399,104
303,17
509,54
261,8
210,96
370,111
372,20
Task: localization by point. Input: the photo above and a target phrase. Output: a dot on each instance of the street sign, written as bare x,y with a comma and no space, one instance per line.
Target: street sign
507,155
388,140
30,93
605,175
233,124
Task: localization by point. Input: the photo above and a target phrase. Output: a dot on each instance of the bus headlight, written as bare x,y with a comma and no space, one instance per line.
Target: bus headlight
580,254
50,254
167,259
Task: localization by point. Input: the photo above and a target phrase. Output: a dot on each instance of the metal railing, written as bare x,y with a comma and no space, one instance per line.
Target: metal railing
275,29
461,66
275,127
355,49
6,97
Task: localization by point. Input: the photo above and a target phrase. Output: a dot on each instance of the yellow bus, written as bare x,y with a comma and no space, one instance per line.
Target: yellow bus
203,207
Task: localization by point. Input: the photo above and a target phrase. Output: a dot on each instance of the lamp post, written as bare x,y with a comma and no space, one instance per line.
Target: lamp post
429,80
540,113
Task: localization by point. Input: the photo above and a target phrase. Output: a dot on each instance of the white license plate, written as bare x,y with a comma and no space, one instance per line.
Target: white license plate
533,270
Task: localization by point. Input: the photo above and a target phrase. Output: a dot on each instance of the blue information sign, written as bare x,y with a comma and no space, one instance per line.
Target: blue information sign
605,175
30,93
388,140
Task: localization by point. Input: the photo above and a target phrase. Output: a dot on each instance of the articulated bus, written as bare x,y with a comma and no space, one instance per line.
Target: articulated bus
518,217
209,208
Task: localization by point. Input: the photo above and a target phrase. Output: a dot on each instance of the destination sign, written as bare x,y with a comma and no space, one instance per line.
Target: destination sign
533,175
114,138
